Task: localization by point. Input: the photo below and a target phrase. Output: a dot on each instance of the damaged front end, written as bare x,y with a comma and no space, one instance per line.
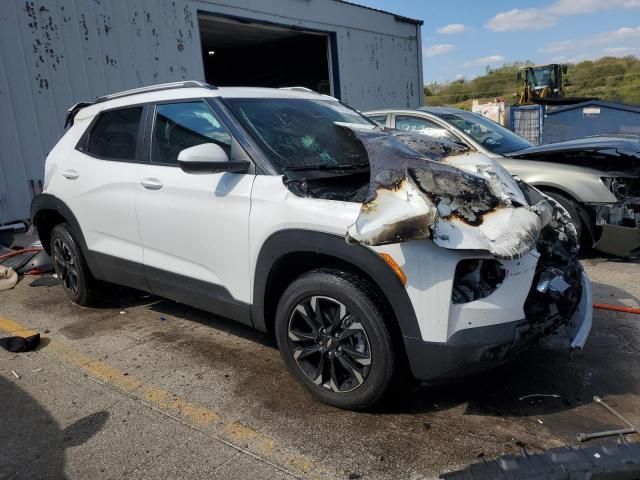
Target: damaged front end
424,188
619,223
617,158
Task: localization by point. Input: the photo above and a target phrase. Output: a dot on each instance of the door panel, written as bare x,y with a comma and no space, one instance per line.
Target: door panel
194,227
101,191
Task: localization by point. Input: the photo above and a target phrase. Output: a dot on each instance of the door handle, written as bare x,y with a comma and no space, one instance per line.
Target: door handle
151,183
70,174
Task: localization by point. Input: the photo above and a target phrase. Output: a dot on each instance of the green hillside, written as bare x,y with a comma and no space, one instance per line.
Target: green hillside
609,78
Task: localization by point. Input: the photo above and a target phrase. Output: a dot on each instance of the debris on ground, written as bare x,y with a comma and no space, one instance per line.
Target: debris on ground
20,344
45,281
539,395
616,308
15,374
631,428
609,460
8,278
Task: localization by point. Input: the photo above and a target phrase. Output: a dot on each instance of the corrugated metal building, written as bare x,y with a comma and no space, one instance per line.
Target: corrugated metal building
54,53
593,117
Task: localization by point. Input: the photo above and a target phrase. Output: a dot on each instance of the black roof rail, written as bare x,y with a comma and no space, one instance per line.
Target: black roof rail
157,88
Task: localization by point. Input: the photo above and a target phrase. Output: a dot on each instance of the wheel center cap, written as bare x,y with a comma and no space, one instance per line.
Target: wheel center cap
329,342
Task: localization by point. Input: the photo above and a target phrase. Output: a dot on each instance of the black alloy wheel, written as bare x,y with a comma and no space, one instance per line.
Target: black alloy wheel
66,265
71,267
329,344
332,332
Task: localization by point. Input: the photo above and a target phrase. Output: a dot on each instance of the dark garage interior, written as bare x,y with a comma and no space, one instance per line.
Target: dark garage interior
251,54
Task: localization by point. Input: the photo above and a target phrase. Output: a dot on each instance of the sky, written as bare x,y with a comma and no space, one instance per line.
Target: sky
461,37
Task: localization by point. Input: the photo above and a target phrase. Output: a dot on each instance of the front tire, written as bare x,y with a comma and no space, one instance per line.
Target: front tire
573,209
333,338
71,267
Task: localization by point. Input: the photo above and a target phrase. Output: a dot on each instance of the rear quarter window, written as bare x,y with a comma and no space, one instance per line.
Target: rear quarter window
114,135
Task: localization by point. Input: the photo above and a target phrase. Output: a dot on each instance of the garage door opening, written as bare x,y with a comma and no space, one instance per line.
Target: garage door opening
252,54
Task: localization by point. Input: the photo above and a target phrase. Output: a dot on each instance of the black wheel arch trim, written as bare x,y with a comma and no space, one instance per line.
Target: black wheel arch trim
46,201
296,241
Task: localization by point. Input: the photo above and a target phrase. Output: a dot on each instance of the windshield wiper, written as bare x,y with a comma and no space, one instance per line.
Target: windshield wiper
337,168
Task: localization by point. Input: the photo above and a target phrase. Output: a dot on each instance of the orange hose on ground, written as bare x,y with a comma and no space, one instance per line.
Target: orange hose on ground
616,308
20,252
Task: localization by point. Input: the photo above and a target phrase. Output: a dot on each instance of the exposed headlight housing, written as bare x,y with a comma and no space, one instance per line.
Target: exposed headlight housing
475,279
617,186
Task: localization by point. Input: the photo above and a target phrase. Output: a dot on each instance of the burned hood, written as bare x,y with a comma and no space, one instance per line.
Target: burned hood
427,188
606,153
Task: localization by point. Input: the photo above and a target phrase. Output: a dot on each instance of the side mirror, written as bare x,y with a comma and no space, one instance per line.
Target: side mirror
209,158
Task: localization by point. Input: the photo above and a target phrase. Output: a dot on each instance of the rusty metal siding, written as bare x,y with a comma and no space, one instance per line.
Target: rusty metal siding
54,53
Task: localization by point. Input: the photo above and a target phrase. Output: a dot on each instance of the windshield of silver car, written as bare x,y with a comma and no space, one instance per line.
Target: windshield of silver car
492,136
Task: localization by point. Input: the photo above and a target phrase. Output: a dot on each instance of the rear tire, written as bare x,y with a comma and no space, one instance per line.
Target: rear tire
71,266
333,338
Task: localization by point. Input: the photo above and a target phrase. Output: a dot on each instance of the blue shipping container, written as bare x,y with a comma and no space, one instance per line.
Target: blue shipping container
593,117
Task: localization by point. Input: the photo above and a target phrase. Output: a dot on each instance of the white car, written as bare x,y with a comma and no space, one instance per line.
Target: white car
238,201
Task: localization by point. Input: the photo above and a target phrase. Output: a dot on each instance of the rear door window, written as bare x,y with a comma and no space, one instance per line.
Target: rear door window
379,119
182,125
115,134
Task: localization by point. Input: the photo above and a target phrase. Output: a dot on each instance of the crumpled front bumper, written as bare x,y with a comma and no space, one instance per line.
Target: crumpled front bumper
580,325
477,349
574,334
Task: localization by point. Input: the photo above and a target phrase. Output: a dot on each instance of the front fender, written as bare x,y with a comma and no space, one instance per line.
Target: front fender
582,184
289,241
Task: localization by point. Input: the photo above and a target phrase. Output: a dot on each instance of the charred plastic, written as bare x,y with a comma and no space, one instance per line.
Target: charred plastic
412,188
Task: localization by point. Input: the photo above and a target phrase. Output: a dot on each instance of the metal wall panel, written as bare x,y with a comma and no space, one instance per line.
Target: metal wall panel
54,53
379,55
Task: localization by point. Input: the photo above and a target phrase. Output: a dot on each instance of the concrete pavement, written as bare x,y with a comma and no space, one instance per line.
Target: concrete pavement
145,388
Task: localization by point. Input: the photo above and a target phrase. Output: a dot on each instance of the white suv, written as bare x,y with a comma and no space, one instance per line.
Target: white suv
238,201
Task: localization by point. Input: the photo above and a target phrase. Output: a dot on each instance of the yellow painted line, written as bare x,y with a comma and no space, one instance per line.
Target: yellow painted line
234,432
14,328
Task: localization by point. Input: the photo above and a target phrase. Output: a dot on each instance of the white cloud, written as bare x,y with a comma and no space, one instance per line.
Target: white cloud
539,18
483,61
575,7
557,47
451,28
434,50
620,51
564,59
604,40
459,76
517,19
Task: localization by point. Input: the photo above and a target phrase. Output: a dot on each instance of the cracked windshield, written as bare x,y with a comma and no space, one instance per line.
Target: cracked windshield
303,134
